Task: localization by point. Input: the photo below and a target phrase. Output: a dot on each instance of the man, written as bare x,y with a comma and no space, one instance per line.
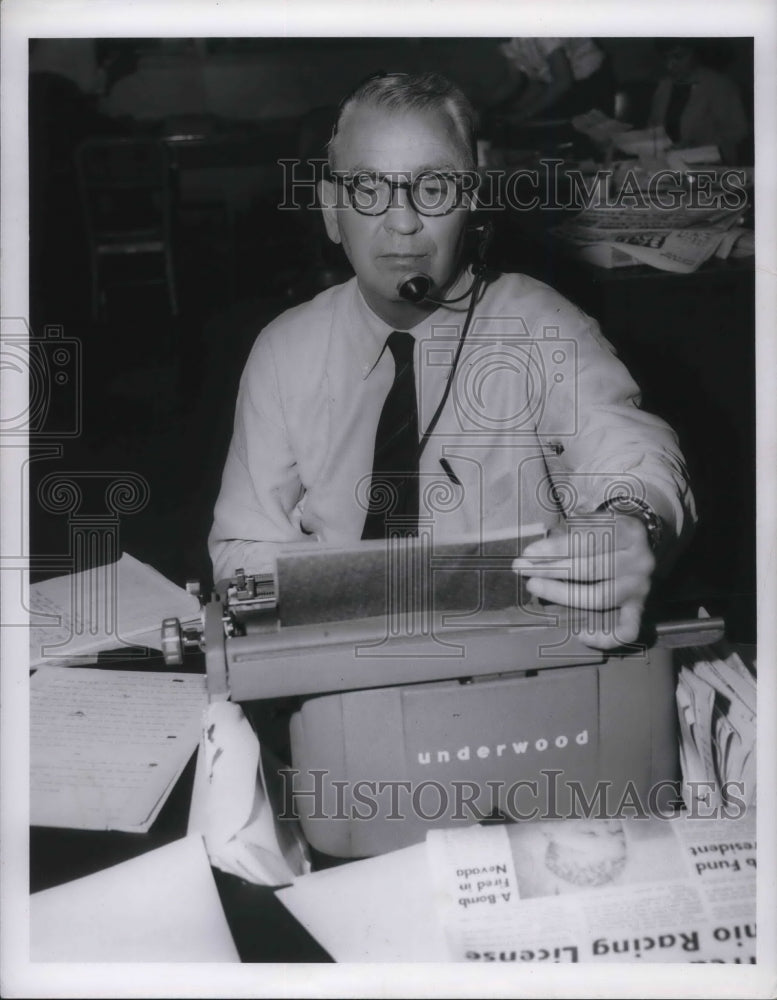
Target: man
534,397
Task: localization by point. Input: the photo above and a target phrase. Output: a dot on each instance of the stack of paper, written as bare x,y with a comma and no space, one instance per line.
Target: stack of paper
601,129
716,699
643,142
678,239
107,746
122,604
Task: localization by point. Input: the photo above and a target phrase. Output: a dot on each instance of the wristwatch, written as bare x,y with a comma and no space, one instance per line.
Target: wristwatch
635,507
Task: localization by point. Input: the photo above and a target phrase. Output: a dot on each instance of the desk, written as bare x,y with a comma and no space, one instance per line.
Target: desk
262,929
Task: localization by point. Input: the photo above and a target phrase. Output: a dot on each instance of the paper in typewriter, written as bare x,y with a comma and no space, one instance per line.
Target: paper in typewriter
107,746
319,583
598,890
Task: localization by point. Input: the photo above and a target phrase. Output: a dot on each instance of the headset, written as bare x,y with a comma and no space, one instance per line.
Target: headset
416,286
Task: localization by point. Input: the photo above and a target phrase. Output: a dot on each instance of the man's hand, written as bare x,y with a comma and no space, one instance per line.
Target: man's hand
599,567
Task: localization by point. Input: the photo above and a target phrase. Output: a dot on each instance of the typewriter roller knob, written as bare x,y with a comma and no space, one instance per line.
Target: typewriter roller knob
172,642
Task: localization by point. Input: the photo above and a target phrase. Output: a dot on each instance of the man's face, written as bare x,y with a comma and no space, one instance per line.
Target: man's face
383,249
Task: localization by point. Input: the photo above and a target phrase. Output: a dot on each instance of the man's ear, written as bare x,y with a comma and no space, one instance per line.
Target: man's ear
327,195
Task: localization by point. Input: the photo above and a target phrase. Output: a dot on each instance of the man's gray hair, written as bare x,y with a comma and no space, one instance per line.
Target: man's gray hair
401,92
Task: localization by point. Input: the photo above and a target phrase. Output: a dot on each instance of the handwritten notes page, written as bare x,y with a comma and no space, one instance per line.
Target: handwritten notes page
107,746
120,604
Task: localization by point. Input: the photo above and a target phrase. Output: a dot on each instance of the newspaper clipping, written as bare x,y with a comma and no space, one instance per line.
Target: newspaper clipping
599,890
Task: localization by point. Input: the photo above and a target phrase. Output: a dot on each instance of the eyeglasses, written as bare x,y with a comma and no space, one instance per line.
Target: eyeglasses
432,192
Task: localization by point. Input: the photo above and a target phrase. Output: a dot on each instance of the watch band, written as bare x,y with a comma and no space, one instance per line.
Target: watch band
636,507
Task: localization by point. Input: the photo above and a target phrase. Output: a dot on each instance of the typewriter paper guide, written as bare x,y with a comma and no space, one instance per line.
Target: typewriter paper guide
322,584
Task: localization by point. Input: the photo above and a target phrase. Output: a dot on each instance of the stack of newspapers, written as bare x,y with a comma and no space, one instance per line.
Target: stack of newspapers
677,239
716,701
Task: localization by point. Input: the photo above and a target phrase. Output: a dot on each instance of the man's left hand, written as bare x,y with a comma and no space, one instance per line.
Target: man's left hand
598,567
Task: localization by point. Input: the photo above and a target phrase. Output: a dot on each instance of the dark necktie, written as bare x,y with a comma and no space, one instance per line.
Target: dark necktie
393,495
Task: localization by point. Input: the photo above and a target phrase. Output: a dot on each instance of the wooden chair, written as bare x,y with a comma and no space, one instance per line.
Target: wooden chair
127,201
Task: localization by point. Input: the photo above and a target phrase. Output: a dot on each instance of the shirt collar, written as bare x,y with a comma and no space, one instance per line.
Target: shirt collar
373,331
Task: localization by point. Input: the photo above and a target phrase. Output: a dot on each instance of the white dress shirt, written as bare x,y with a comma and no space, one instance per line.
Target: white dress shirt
537,390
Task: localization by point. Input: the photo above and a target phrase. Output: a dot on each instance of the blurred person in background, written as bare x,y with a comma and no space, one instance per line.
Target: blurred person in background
696,104
551,78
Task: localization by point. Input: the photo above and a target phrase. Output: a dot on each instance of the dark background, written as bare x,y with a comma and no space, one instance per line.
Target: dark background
158,389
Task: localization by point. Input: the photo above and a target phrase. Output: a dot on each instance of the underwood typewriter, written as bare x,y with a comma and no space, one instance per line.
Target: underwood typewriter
430,678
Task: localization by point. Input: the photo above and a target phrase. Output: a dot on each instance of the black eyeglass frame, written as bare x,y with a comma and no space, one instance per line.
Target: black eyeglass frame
459,177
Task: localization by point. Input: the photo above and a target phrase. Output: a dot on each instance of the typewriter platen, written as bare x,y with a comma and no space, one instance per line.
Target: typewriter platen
334,619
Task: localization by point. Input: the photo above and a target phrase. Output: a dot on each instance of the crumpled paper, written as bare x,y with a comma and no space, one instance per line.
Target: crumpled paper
241,833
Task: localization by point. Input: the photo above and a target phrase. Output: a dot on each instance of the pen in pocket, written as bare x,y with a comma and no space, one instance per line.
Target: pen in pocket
449,471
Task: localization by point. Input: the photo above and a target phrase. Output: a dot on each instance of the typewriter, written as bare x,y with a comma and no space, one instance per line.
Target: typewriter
436,692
